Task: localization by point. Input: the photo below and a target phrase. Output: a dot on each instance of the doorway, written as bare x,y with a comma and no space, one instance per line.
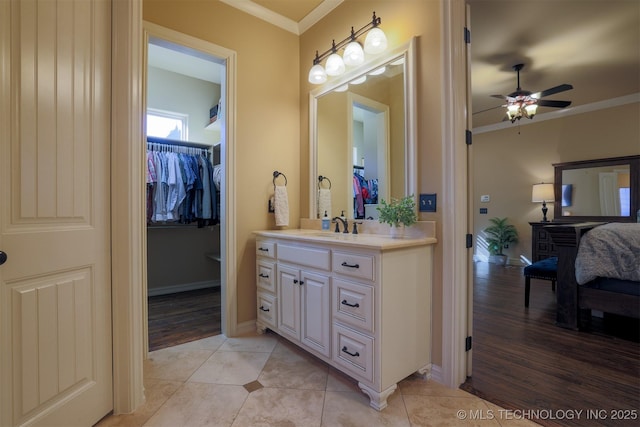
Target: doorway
185,92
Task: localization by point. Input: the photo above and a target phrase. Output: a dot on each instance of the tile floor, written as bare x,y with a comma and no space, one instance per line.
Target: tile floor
263,380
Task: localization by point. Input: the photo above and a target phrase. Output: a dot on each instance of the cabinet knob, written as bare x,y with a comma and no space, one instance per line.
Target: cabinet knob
3,257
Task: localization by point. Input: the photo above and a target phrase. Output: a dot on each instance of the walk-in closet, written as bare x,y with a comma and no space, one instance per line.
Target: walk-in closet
185,110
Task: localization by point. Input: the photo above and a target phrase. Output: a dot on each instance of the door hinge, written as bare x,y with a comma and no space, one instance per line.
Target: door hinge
467,35
468,343
468,137
469,243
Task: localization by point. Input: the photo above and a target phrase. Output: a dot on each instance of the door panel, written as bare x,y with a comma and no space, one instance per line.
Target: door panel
55,287
288,301
315,312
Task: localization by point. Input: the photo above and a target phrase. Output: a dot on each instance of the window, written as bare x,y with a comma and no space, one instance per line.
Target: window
167,124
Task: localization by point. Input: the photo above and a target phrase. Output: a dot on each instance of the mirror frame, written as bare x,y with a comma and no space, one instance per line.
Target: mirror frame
634,165
408,50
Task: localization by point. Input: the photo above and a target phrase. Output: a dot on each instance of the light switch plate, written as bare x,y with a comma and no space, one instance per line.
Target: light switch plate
485,198
427,203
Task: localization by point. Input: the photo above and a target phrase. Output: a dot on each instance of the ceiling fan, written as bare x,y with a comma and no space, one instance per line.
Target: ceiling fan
523,103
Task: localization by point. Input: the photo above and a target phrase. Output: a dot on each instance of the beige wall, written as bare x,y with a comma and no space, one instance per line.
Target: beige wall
272,113
267,116
508,162
401,20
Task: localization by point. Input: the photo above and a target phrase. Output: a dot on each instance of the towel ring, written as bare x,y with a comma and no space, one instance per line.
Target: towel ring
323,178
275,175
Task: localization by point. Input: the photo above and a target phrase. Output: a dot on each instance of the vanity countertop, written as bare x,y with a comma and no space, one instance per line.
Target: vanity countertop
363,240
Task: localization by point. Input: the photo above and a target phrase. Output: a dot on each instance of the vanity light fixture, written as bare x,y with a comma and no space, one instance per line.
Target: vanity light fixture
354,54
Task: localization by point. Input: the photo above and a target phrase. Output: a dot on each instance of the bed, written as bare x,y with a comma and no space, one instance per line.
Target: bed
598,269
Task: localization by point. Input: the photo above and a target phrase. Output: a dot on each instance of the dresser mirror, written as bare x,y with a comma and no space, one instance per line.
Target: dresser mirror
597,190
363,136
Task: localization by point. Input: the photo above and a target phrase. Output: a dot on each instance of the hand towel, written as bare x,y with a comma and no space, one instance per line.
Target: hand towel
281,206
324,202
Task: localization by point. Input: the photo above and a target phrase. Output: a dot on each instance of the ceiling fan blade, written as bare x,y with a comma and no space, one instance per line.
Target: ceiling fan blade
554,104
488,109
551,91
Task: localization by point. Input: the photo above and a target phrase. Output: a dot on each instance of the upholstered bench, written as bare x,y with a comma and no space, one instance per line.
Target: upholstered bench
546,269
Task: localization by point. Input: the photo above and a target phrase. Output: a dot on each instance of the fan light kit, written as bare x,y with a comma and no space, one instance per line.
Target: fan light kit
374,43
523,103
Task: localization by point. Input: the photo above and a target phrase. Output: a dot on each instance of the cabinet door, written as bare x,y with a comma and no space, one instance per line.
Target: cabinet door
315,312
289,301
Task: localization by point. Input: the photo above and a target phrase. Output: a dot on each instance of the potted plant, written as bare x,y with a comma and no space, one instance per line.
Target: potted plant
500,234
398,213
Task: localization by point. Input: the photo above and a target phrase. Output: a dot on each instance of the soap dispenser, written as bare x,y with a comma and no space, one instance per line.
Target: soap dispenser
326,222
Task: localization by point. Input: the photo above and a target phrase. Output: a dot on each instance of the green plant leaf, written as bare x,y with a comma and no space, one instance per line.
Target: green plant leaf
398,211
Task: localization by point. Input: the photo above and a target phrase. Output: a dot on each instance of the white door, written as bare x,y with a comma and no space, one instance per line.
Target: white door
55,286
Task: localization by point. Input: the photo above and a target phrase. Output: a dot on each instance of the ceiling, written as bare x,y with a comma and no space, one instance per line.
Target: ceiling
593,45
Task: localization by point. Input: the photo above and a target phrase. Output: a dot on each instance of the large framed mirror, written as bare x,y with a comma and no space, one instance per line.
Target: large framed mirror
363,137
597,190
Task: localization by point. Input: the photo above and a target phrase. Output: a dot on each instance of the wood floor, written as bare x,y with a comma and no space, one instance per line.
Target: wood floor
183,317
521,360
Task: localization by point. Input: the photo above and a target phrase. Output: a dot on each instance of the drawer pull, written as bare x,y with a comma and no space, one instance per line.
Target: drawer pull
263,249
266,276
344,264
344,350
356,305
263,309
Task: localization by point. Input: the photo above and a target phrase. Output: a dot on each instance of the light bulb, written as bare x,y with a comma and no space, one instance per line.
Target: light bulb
335,65
317,75
353,54
376,41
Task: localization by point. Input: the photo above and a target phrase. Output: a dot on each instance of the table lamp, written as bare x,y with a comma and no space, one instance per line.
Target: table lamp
542,193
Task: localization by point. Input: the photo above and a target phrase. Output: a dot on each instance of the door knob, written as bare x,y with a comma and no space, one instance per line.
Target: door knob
3,257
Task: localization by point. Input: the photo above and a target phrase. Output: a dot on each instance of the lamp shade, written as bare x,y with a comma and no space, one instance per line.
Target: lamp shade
542,193
353,54
317,75
376,41
335,65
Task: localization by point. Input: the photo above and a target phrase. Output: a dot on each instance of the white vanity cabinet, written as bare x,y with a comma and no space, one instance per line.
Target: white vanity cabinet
266,284
361,304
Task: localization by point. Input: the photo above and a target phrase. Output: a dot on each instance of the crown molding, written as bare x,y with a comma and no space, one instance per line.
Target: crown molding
565,112
283,22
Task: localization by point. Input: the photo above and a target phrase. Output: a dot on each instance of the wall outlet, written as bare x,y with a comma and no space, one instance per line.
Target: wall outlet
427,203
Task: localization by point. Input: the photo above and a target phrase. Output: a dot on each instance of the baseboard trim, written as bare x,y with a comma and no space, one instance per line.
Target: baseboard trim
245,328
436,374
152,292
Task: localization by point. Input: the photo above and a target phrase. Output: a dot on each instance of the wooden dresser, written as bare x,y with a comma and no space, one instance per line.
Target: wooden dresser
541,244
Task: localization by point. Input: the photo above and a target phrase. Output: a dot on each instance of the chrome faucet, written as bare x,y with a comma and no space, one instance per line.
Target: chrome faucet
345,224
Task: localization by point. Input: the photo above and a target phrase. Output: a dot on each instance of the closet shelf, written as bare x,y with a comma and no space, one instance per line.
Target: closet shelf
214,256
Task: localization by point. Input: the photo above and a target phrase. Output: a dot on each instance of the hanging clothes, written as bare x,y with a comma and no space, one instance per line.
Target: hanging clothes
180,185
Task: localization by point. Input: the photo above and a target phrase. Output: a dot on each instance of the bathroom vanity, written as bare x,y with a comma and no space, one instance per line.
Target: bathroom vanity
361,303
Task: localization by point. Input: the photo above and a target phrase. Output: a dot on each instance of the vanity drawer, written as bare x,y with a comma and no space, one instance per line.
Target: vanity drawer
353,304
265,248
353,351
307,256
267,309
356,265
266,275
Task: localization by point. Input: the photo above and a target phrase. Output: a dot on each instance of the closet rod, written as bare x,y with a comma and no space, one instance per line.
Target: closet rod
158,140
